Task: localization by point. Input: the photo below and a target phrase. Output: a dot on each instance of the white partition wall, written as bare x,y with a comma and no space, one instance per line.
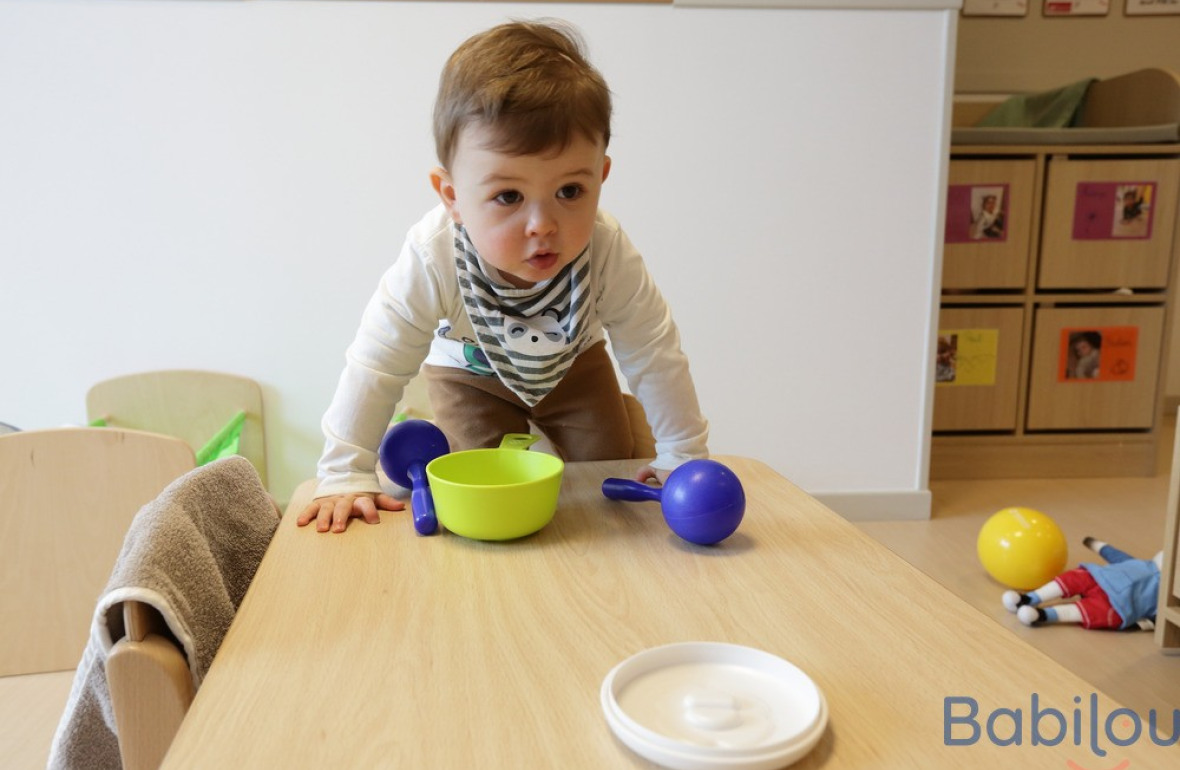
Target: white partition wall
219,184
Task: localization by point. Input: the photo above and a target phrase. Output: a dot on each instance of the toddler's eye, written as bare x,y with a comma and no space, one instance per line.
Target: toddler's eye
508,198
571,191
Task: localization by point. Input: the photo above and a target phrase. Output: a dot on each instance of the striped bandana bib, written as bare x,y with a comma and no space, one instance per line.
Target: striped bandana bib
530,336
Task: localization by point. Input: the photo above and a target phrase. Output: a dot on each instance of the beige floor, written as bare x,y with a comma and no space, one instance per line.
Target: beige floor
1126,512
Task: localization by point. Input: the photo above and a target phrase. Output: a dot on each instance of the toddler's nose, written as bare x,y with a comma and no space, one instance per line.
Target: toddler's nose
541,222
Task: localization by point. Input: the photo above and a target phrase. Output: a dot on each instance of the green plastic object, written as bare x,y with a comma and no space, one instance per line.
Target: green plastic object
496,494
225,443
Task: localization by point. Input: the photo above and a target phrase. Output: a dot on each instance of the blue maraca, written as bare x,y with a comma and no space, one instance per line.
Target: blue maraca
405,451
702,501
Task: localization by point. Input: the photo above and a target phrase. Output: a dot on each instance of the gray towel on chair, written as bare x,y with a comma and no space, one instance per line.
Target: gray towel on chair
191,553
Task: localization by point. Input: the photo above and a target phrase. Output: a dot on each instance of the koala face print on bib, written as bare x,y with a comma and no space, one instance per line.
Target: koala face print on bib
537,336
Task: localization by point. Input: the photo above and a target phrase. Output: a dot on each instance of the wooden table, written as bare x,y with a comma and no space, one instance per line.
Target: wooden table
379,648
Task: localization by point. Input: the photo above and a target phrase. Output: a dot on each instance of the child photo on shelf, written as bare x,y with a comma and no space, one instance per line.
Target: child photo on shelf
1085,348
944,368
987,213
1132,215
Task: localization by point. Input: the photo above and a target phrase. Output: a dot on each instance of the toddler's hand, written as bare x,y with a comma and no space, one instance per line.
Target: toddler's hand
334,512
648,473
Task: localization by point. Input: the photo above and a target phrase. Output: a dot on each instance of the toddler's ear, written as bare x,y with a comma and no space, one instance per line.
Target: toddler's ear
440,180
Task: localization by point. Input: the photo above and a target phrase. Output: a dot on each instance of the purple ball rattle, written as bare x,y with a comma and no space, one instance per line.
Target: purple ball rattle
702,501
405,451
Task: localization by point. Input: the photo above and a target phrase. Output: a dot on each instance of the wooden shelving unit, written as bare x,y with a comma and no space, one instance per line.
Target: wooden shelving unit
1167,621
1063,269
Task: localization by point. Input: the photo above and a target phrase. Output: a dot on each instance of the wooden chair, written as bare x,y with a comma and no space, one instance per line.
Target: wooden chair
191,405
184,567
151,687
67,497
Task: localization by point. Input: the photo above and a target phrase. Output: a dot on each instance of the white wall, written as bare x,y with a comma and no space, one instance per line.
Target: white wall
218,185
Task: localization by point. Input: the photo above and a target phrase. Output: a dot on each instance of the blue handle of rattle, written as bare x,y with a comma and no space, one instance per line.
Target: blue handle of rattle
421,500
631,491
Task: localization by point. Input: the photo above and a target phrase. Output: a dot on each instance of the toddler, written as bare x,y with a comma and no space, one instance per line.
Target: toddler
504,295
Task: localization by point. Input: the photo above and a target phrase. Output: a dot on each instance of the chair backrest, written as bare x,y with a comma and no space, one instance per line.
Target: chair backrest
189,404
67,498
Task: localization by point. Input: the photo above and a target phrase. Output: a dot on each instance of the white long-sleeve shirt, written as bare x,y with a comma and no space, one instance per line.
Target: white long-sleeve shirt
417,315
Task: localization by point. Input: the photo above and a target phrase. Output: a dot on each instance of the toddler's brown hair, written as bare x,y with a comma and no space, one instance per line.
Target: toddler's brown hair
529,82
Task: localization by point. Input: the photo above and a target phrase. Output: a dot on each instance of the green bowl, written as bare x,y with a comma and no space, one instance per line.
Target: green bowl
496,494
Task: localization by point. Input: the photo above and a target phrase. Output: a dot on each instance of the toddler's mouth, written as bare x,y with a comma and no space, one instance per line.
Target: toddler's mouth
542,260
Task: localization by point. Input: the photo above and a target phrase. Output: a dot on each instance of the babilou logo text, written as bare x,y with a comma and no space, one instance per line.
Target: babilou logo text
1038,724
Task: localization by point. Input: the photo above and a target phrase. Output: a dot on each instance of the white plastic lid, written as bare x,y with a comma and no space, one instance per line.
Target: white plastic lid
711,705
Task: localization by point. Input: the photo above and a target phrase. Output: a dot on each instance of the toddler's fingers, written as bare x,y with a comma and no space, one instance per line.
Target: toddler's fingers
646,474
333,513
321,511
340,514
367,508
310,511
388,503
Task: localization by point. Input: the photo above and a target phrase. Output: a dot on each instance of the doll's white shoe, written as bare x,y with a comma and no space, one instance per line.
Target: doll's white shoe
1011,600
1028,615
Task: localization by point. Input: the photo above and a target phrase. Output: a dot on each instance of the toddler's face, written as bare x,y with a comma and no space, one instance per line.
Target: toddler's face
527,215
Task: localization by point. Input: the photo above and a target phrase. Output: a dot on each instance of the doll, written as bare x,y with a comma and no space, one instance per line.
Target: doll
1123,593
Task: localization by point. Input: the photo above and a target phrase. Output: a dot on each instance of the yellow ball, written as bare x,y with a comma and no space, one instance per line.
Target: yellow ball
1022,548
